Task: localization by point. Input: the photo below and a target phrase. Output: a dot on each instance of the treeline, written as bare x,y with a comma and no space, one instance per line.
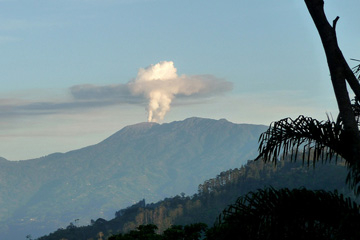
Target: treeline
213,196
270,214
194,231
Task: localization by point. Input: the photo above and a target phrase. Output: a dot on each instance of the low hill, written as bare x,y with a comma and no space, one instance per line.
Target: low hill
213,196
145,160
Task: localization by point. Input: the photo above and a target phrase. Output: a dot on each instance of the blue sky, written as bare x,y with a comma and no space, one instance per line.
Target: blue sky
264,57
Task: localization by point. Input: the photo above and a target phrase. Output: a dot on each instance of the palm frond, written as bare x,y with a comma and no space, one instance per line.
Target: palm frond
289,214
318,140
353,177
356,69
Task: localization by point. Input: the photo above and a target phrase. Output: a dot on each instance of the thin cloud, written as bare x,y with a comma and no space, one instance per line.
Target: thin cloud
117,93
11,109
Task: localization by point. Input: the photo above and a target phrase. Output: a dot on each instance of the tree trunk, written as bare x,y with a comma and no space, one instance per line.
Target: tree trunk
340,73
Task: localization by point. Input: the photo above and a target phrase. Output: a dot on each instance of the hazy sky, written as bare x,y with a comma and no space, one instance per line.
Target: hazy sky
73,72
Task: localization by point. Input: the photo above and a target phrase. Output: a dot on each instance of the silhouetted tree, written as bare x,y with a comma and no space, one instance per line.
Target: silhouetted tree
323,139
175,232
142,232
288,214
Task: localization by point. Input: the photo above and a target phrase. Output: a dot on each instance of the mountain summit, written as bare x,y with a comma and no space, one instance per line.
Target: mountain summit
142,161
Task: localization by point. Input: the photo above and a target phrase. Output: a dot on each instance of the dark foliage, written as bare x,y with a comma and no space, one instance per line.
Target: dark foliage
289,214
175,232
318,140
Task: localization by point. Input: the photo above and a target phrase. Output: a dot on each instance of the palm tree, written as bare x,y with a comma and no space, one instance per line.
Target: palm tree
322,140
299,213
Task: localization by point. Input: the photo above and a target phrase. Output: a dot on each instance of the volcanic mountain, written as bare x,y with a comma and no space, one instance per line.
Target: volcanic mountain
142,161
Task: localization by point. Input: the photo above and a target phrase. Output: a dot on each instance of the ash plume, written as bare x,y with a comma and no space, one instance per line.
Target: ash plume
160,84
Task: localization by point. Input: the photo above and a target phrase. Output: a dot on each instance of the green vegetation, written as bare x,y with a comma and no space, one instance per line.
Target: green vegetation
213,196
270,214
145,160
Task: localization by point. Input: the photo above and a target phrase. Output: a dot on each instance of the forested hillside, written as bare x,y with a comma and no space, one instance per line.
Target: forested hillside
145,160
213,196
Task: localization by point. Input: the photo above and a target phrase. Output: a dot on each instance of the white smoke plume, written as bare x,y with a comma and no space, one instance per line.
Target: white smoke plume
160,84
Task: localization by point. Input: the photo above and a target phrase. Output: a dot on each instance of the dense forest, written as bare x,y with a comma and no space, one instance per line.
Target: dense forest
213,196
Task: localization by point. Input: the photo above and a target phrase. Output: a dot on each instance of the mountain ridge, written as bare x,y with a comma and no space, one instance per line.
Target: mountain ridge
144,160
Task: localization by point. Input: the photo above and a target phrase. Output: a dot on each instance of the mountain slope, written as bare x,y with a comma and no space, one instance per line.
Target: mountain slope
213,196
145,160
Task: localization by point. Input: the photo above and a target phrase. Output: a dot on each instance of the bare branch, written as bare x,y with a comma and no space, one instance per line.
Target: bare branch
335,21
